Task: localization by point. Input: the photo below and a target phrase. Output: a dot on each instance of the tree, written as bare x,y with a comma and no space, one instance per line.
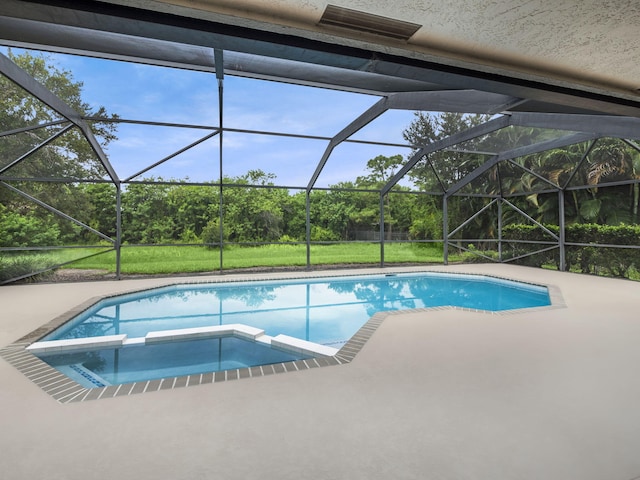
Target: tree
69,156
613,161
102,207
294,217
146,215
610,160
191,208
24,231
332,212
445,167
381,169
251,211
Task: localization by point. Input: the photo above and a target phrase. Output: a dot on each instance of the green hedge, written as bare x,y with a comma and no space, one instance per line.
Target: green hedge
616,262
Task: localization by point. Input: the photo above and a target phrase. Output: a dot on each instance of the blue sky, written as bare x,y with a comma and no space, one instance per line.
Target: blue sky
143,92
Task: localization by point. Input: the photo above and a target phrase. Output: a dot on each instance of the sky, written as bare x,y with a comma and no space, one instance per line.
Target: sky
160,94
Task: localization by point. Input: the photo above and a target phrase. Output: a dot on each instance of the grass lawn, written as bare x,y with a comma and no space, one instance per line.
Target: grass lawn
190,259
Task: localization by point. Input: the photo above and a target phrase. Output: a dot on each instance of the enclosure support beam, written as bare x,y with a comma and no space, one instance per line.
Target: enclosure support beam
561,235
477,131
531,172
445,229
381,230
500,230
367,117
174,154
36,148
492,162
219,64
579,165
475,215
466,101
602,125
56,211
308,227
519,152
560,142
27,82
118,245
531,219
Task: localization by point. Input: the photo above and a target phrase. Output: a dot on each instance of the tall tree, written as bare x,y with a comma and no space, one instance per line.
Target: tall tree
445,167
69,156
380,170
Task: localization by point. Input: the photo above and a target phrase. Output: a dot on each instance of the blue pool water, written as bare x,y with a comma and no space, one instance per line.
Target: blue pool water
113,366
326,311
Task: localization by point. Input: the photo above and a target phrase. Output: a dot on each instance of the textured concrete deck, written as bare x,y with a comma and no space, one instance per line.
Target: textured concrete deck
450,394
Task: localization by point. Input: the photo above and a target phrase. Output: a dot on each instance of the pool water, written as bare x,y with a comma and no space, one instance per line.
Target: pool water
99,368
326,311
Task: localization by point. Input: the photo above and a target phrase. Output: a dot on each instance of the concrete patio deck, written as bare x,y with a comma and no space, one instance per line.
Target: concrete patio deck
446,394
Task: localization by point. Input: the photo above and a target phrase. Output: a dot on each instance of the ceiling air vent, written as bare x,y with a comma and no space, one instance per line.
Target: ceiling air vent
367,22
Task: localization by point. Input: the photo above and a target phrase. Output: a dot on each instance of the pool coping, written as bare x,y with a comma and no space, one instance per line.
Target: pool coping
65,390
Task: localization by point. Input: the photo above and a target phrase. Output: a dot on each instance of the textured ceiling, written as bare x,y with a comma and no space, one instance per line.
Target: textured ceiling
590,42
569,56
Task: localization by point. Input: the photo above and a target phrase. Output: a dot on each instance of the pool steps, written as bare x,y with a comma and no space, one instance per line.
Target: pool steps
238,330
285,342
93,343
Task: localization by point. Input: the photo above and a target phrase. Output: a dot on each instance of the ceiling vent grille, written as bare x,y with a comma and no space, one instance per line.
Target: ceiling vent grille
367,22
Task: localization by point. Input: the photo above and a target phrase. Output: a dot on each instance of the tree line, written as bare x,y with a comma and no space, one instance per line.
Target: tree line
255,210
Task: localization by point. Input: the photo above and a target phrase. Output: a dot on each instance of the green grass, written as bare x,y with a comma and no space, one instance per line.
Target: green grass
16,264
190,259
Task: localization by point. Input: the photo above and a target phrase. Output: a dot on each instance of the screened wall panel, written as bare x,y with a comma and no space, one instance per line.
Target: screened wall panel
207,163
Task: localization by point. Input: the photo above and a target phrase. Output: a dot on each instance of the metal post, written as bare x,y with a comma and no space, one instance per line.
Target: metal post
308,228
118,244
381,230
500,229
445,230
308,314
218,56
561,237
221,208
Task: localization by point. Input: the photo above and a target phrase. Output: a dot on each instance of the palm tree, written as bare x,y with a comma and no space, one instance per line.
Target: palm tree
613,160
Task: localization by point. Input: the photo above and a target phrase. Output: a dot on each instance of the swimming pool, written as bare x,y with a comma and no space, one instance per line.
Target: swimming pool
186,329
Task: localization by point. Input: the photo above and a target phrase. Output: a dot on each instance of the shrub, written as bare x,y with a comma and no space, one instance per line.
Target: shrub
16,266
211,233
287,239
18,230
617,262
320,234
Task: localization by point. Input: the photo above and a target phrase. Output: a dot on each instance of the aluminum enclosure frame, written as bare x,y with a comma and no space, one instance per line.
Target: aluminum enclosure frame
404,84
